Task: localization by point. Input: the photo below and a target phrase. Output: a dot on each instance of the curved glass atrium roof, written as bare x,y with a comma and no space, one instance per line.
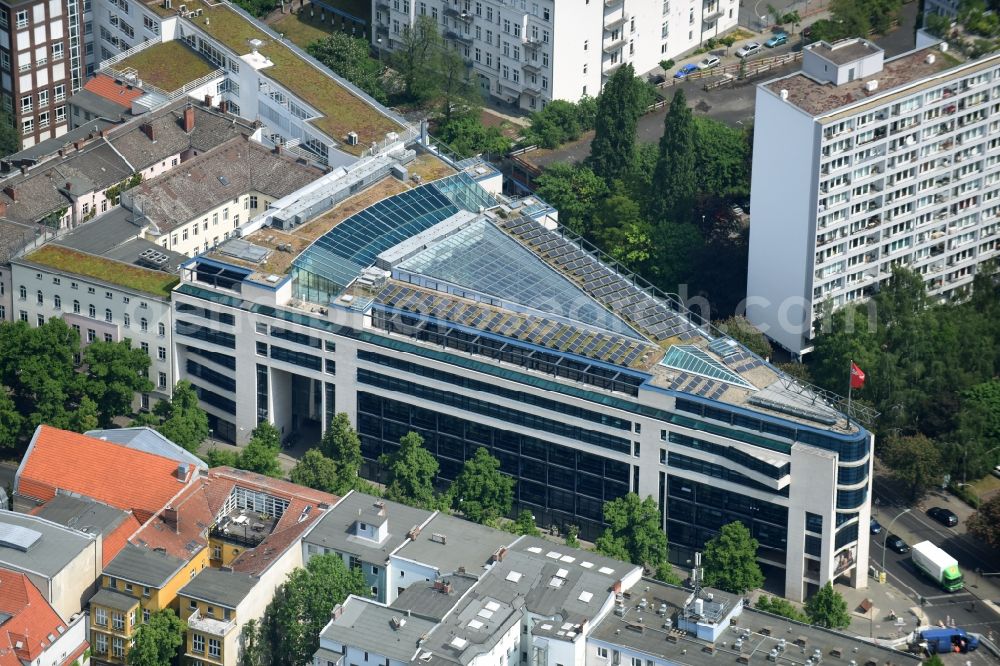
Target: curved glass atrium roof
482,259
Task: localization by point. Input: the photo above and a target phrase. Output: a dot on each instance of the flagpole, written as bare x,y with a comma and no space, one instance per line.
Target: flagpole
850,387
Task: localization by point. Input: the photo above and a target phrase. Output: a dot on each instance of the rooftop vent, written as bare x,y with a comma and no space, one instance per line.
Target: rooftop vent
153,258
784,94
929,59
943,47
256,44
352,138
872,86
437,537
397,623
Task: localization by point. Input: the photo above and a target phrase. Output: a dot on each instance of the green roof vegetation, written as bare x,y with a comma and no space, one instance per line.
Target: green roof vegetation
303,30
106,270
342,111
168,66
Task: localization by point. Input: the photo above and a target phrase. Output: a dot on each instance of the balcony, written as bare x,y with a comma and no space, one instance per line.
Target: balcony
382,6
453,36
615,23
612,3
531,43
615,44
712,13
210,625
528,68
461,15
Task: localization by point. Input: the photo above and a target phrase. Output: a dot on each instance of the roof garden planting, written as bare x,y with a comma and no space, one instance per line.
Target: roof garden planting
106,270
168,65
342,111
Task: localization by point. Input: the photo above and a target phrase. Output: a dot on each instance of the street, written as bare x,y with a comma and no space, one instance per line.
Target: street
966,608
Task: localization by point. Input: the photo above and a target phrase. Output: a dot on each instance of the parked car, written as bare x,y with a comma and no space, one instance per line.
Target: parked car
894,543
875,527
944,516
748,49
708,62
685,70
777,40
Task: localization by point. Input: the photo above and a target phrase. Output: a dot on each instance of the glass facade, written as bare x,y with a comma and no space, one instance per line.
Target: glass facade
558,484
224,360
225,382
678,461
204,334
696,512
296,358
733,454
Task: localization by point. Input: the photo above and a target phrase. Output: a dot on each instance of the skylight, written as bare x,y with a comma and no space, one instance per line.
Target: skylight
585,597
513,576
555,555
492,606
688,358
485,614
607,571
569,559
458,643
562,573
475,624
587,565
535,549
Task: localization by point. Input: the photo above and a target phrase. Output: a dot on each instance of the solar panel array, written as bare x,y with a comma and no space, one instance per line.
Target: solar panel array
540,331
647,313
698,385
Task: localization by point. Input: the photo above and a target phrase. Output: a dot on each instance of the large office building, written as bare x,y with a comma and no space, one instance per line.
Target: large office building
526,54
406,294
862,164
40,64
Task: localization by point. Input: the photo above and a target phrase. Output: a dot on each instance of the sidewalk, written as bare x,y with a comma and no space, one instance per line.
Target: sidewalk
884,599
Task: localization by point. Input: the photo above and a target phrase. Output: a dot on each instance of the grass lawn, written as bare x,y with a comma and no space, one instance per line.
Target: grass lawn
107,270
986,487
342,111
302,30
168,66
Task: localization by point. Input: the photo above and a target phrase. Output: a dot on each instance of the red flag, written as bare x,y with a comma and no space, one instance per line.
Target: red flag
857,376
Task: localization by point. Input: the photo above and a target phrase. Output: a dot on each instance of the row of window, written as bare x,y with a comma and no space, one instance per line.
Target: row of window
733,454
198,645
688,463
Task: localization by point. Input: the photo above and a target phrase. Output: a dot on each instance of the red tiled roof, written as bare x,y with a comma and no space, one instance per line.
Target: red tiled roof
106,87
32,620
114,542
199,505
123,477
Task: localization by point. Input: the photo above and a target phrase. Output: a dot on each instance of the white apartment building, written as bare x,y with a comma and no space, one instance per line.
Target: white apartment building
526,53
862,164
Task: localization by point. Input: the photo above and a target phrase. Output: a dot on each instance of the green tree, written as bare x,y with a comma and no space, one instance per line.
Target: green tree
481,491
779,606
620,229
914,460
314,470
458,91
560,122
722,157
612,151
740,329
415,59
10,420
575,191
934,660
260,455
350,57
158,641
255,651
342,445
985,522
675,177
731,560
466,136
85,416
634,532
828,609
10,138
851,18
302,605
411,471
525,524
979,427
572,536
182,420
217,457
116,371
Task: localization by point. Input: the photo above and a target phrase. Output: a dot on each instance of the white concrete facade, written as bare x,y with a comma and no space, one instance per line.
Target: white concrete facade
527,53
907,176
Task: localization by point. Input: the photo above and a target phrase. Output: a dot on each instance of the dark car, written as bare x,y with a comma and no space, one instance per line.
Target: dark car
944,516
875,527
896,544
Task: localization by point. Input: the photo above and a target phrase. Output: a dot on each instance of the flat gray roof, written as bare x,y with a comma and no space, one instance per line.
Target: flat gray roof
225,588
112,599
146,439
335,530
370,626
845,51
144,566
56,546
82,513
432,601
466,544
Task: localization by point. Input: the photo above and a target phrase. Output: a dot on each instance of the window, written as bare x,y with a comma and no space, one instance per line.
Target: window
602,652
214,648
197,642
117,621
92,311
108,295
22,19
57,300
91,335
161,353
161,329
374,570
24,293
253,201
76,307
145,592
23,314
40,298
145,615
108,338
144,346
27,104
43,99
107,315
57,50
143,324
41,320
162,382
127,320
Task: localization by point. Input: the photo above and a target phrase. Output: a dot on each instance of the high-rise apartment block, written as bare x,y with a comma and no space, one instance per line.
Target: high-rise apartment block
40,64
526,53
862,164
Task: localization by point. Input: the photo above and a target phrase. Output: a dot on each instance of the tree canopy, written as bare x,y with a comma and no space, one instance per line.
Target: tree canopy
827,608
481,491
181,420
730,560
10,138
985,522
634,532
260,455
314,470
349,57
411,472
158,641
779,606
612,151
914,460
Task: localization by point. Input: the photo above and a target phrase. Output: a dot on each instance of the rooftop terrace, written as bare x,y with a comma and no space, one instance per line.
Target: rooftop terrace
819,98
168,65
118,273
342,110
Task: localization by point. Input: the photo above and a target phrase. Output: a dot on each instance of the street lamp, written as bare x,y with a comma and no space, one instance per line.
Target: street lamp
379,40
886,537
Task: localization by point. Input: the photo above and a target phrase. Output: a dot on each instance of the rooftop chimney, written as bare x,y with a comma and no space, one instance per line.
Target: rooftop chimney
188,119
3,208
208,101
617,587
147,129
62,152
11,192
182,472
69,186
104,132
78,145
24,169
169,515
278,149
224,106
